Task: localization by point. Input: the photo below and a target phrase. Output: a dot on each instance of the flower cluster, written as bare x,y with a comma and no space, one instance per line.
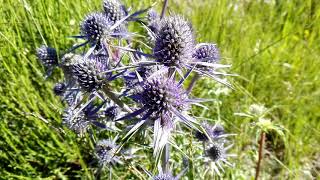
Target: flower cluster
214,139
115,86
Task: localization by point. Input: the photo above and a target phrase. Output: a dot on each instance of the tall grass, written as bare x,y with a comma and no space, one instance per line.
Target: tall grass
273,45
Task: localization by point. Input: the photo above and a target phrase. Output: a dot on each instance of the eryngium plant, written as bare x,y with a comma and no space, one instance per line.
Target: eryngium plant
113,88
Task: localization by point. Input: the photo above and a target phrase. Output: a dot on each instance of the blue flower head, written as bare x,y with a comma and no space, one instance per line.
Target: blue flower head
105,152
59,89
89,73
114,10
76,122
217,156
95,27
164,177
174,42
214,132
207,52
48,56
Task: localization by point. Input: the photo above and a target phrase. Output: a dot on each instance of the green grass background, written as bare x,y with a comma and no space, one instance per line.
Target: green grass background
274,45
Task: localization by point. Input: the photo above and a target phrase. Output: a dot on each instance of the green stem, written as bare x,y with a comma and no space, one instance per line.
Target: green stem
164,8
192,83
165,158
116,99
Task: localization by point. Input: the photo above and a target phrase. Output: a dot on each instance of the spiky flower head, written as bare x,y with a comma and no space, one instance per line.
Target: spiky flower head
105,152
215,152
114,10
159,95
75,121
174,42
59,89
214,132
207,52
111,113
217,155
68,61
164,177
94,27
89,74
48,56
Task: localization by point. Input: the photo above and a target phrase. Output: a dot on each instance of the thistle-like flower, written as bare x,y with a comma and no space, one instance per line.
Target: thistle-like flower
111,113
79,119
48,56
207,53
59,89
205,62
89,74
164,177
214,132
95,27
174,42
105,153
158,96
217,154
163,101
114,10
75,122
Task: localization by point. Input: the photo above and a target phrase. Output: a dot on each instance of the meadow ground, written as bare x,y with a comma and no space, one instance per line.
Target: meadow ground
273,45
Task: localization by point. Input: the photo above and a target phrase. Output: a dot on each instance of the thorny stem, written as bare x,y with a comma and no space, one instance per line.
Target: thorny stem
261,144
164,8
116,99
192,83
